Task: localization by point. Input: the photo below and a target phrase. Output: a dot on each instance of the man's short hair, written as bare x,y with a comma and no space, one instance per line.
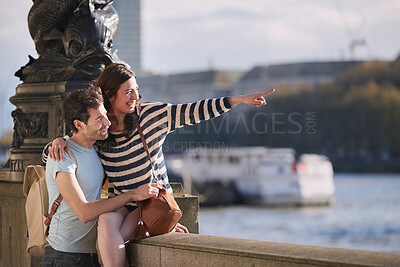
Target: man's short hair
77,103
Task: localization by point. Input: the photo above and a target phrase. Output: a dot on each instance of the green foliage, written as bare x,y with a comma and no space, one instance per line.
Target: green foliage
377,71
358,116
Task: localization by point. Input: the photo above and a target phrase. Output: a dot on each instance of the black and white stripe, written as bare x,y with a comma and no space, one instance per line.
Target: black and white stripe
127,165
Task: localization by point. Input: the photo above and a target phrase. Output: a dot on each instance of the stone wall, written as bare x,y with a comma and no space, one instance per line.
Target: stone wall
13,229
13,226
176,249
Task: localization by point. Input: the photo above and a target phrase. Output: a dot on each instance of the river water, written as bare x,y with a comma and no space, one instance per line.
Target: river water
365,215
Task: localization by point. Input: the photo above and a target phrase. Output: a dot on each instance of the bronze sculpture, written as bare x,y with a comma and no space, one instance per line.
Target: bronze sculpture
73,39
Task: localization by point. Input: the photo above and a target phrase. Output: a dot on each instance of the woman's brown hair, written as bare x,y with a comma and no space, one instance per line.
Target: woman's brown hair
110,80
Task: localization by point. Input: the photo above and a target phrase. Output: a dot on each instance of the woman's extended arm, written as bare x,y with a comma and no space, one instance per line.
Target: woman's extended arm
255,100
192,113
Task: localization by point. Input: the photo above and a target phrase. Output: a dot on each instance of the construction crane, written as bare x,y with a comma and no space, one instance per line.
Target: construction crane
356,39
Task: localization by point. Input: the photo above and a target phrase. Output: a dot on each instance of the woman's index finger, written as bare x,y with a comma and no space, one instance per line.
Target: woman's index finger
268,92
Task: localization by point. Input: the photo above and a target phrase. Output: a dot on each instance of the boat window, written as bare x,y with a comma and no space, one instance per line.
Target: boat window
234,159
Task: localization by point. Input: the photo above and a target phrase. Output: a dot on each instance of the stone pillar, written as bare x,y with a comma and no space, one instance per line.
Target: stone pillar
37,121
189,205
13,227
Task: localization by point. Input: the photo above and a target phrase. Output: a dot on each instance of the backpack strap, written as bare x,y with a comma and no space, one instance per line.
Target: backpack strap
60,197
53,210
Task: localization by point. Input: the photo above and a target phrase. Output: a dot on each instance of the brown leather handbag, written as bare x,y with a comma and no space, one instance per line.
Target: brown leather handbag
157,215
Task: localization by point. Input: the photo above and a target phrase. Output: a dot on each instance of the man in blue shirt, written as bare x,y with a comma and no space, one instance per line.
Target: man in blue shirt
73,229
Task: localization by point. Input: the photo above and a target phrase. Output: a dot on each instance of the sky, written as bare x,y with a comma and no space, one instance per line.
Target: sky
184,36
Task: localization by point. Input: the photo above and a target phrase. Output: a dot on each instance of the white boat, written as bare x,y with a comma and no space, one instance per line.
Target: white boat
269,175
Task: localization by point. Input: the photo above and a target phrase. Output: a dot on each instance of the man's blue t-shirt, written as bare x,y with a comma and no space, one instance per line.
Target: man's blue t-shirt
67,233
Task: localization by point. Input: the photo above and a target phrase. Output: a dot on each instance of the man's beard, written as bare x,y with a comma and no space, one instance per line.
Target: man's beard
103,136
98,135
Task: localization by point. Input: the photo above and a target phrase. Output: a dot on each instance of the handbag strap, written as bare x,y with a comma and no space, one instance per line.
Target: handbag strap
144,143
57,202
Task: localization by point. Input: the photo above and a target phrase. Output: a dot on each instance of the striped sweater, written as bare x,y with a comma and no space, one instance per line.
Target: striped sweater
127,164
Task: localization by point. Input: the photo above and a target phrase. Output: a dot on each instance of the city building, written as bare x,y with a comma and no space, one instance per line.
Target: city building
127,40
187,87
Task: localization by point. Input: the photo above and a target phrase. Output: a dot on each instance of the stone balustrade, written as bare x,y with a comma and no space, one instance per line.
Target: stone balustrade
176,249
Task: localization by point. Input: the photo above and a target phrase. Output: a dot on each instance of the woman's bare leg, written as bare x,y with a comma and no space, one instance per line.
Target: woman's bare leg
128,227
110,239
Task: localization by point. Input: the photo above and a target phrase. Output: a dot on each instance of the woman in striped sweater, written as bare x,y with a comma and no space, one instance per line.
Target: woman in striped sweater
123,155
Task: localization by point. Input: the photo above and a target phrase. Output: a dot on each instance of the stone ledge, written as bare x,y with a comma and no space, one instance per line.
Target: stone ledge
280,253
11,189
5,174
41,88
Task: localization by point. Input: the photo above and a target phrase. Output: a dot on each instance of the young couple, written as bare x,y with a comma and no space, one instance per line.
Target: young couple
103,120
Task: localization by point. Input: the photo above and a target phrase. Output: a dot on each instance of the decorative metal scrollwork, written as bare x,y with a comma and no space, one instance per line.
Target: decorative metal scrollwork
73,39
